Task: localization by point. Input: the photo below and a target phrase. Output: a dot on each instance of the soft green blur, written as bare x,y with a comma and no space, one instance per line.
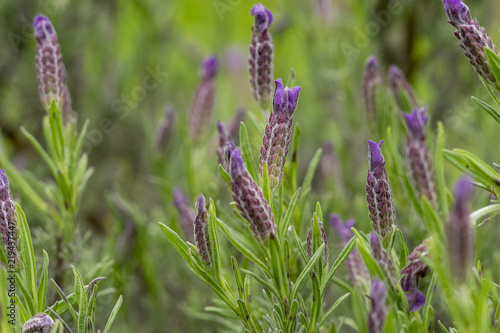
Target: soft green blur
109,47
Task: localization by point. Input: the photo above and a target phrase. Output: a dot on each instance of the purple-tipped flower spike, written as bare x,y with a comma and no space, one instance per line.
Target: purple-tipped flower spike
249,198
324,240
8,221
203,102
260,60
411,274
378,312
417,154
201,232
355,265
164,129
186,214
373,82
51,72
459,231
379,194
473,38
402,89
39,323
276,138
384,261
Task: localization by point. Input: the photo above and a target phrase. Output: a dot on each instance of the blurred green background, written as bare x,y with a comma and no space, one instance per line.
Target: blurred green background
109,47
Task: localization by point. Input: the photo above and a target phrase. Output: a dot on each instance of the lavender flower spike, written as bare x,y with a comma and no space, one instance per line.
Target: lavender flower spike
459,231
402,89
201,232
384,261
186,214
378,312
413,271
324,240
260,60
276,138
8,221
203,102
355,265
51,72
373,82
39,323
249,198
473,38
379,194
417,154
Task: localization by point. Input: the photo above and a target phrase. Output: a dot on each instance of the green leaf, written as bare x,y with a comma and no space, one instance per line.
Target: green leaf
81,297
266,186
307,270
440,181
343,255
70,302
494,62
333,307
278,266
488,108
298,243
225,175
289,213
176,242
241,247
214,240
112,317
28,256
316,301
42,286
246,149
403,250
311,169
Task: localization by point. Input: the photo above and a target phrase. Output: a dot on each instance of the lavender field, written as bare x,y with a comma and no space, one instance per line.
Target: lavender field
312,166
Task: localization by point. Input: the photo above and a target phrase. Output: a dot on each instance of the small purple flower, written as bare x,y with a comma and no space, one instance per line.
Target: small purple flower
355,265
203,102
417,154
459,231
411,274
39,323
260,60
201,232
263,17
372,83
249,198
276,140
8,220
186,214
379,194
164,129
402,89
324,240
378,312
384,261
473,38
226,134
51,72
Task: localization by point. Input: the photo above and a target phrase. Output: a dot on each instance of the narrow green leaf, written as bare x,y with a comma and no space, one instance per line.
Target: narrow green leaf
225,175
214,239
300,246
494,62
333,307
311,169
246,149
316,301
403,250
81,297
42,286
289,213
307,270
440,181
114,312
176,242
343,255
27,253
488,108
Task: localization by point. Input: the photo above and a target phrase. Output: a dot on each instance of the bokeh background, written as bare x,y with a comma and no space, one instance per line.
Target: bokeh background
109,47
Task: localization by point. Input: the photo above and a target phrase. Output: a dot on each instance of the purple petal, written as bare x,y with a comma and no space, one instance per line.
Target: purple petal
279,101
343,229
4,183
209,67
263,17
419,302
43,28
293,98
200,203
378,291
237,166
416,122
463,191
375,154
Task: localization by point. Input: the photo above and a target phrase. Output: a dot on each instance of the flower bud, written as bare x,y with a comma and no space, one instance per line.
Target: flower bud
378,312
201,232
8,221
39,323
